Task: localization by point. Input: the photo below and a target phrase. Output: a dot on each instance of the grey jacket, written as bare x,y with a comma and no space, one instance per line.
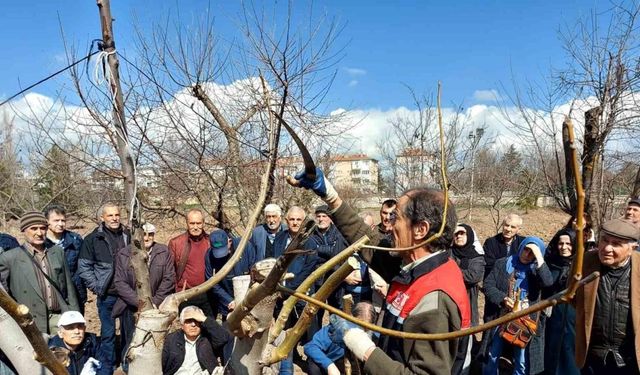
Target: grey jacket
18,276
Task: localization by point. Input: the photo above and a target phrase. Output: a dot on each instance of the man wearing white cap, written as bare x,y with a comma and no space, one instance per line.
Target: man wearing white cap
264,235
162,281
191,349
82,346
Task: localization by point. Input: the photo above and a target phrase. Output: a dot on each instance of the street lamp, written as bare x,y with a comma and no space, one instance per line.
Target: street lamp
475,140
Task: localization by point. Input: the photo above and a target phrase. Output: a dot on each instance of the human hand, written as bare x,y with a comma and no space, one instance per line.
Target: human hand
537,253
354,278
231,306
337,328
90,367
321,186
333,369
383,289
359,343
508,302
197,315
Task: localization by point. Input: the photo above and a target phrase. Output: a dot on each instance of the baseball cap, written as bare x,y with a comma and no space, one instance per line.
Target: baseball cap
71,317
219,243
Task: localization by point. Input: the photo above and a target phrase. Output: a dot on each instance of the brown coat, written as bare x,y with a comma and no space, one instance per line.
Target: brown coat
585,302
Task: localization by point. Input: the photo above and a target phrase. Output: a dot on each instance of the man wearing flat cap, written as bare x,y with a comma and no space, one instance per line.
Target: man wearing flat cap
608,309
38,277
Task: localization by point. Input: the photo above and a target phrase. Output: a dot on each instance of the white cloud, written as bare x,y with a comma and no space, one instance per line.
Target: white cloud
353,83
355,71
487,96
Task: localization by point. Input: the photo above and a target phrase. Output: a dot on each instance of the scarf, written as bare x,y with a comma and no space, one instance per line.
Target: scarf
467,251
520,270
553,257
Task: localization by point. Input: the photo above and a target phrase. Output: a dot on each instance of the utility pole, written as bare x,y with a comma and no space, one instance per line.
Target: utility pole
475,140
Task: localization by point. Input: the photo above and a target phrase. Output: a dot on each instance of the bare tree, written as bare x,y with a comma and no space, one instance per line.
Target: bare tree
601,81
410,149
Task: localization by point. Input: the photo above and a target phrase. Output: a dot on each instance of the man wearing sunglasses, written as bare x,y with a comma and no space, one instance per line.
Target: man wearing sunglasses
190,350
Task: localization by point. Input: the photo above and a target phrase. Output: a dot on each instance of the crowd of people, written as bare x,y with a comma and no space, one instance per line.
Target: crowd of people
405,283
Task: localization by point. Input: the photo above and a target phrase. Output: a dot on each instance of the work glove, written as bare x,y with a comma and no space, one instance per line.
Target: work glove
337,328
333,369
358,342
90,367
321,186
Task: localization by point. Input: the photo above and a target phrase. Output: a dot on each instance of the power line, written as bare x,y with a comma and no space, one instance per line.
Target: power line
48,77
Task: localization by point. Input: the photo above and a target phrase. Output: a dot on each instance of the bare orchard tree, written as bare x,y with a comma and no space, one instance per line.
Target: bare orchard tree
600,84
410,149
218,132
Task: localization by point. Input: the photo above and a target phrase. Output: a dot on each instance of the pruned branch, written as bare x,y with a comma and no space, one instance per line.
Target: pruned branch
20,313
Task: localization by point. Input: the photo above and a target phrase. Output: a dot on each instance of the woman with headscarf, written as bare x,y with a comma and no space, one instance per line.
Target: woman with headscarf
560,332
515,283
471,263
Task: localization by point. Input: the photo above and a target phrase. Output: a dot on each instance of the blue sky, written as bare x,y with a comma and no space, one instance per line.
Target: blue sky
468,45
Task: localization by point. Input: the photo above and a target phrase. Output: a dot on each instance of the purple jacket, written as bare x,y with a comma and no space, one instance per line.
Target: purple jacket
162,277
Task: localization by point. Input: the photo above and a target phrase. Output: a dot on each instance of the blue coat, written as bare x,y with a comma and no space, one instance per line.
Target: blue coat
327,245
259,240
302,266
223,291
71,243
8,242
322,350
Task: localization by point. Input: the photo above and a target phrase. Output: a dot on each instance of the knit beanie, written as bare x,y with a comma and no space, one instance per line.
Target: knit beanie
32,218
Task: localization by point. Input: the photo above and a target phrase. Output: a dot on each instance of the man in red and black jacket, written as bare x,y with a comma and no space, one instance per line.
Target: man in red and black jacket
188,251
427,292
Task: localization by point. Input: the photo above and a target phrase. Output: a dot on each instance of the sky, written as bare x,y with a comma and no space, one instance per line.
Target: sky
473,47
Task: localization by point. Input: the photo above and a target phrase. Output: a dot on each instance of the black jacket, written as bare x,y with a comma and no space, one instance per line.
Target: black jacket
97,258
495,248
213,337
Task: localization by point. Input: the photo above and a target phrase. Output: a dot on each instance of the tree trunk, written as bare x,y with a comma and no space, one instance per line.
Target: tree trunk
569,177
590,154
17,348
636,185
145,352
231,136
248,351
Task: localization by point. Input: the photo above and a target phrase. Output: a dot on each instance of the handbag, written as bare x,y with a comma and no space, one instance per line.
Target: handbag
519,332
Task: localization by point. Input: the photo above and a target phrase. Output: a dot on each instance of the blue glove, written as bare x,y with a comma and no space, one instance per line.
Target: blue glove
337,328
318,185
